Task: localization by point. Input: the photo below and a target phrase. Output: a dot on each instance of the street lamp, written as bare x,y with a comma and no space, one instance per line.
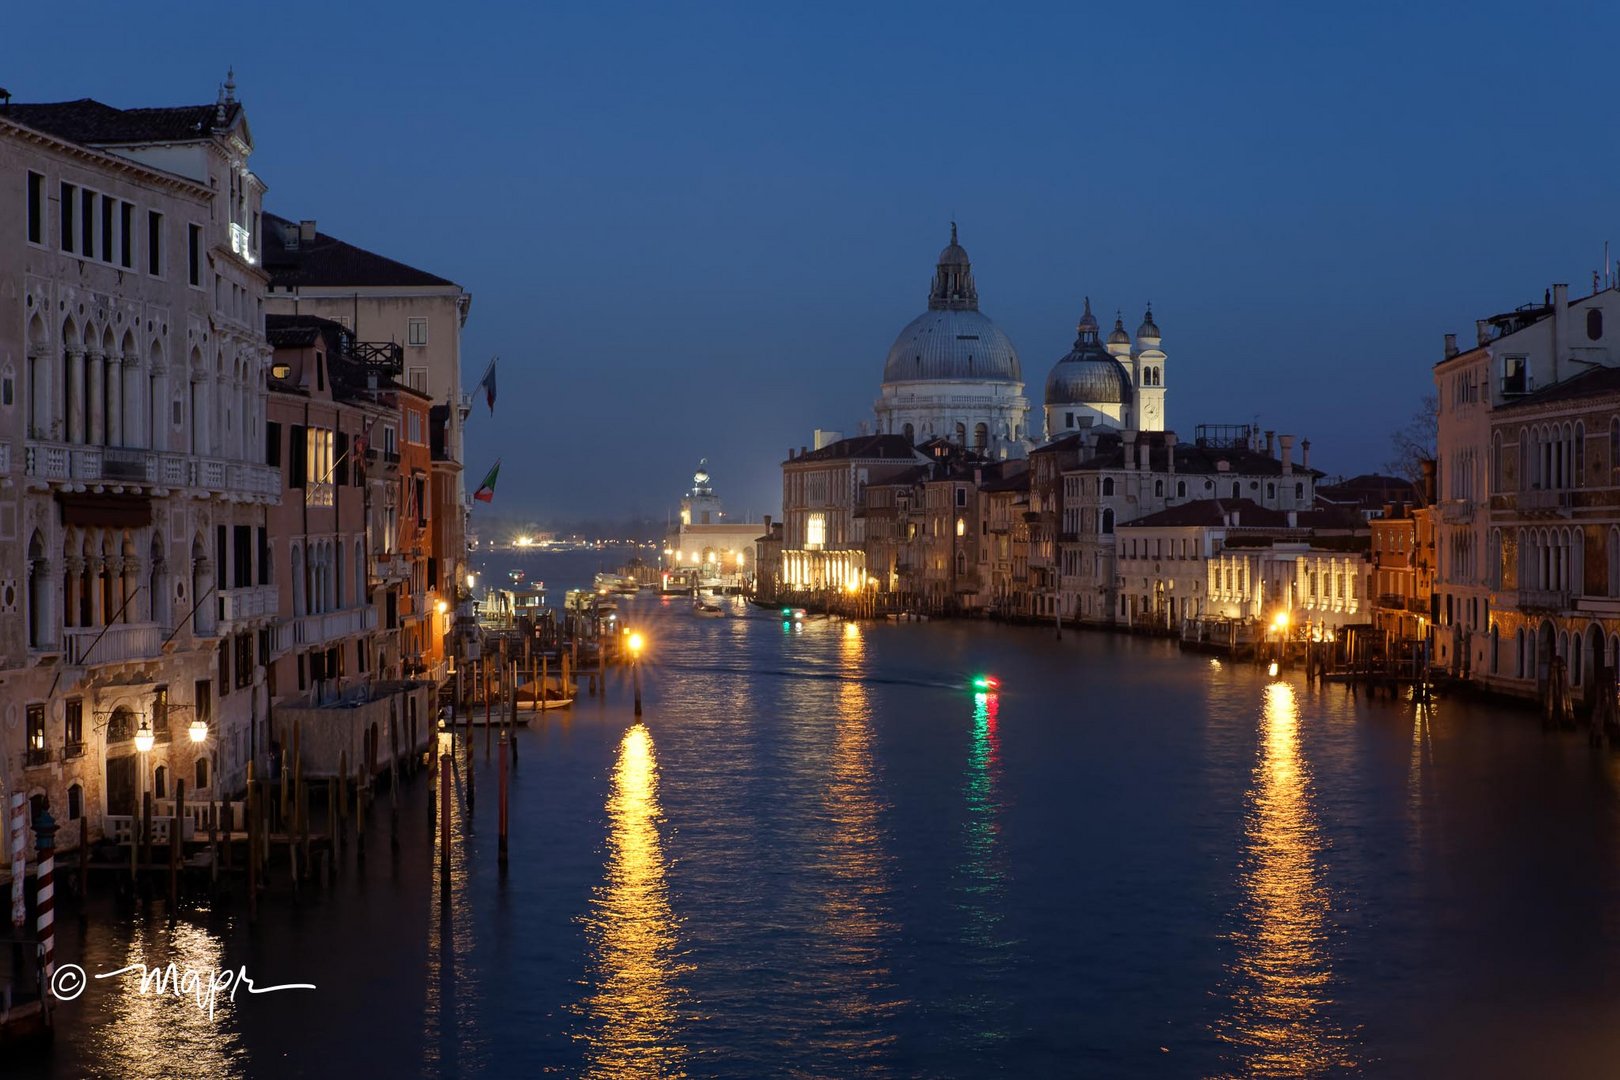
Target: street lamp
636,642
199,730
144,737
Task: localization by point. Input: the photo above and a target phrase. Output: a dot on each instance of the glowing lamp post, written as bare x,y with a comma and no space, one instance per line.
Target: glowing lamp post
636,643
144,738
199,731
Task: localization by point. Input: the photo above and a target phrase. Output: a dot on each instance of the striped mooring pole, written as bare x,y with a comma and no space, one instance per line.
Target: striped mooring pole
19,822
45,901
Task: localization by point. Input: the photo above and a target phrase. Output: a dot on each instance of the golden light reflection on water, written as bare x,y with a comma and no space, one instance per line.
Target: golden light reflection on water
161,1035
454,1015
853,904
1281,978
634,1003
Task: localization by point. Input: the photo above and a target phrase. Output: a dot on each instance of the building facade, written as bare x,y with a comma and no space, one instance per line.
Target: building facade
133,516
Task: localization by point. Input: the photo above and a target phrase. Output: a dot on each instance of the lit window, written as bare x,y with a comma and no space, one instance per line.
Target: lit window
815,531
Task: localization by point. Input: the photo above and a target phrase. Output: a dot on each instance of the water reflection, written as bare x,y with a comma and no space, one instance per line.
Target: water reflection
634,1004
853,907
981,878
161,1034
453,1039
1281,977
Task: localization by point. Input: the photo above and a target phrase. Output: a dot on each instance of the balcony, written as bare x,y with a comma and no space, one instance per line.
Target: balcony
63,464
251,602
391,566
36,756
1393,601
122,643
1550,600
1538,501
307,631
1457,511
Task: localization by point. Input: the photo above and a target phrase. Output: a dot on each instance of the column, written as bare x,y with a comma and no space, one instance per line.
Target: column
75,395
95,375
115,401
73,568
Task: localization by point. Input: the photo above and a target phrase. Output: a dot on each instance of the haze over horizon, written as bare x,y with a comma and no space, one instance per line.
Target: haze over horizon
695,233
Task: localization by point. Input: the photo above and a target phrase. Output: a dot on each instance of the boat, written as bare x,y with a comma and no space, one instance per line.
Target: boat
709,610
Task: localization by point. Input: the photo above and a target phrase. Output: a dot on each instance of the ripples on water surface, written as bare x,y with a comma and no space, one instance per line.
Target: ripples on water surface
821,853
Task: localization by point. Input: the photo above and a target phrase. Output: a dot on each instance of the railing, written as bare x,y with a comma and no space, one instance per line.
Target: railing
1454,511
391,566
121,643
37,755
306,630
132,465
1543,599
386,356
251,602
1391,600
1537,499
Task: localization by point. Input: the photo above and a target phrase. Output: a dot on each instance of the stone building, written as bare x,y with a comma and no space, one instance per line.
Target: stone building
134,500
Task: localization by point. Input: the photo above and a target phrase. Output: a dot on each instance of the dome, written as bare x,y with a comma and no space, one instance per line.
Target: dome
1089,375
1092,378
952,344
952,339
1148,329
1118,336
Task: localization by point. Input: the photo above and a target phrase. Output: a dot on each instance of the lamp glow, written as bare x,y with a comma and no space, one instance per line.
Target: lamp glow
636,642
144,737
199,731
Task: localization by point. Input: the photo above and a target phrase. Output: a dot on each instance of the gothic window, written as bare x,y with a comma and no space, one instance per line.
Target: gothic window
1181,489
1107,521
1108,485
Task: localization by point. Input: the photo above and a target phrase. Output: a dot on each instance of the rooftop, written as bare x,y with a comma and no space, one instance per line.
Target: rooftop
1214,513
292,261
890,447
93,123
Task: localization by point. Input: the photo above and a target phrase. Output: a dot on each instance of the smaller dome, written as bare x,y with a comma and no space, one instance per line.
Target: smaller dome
1148,329
1119,336
953,254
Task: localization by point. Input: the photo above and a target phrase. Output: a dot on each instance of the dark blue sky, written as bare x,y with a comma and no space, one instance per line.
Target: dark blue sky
695,231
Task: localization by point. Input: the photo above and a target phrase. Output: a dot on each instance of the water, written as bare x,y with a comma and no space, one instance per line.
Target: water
821,854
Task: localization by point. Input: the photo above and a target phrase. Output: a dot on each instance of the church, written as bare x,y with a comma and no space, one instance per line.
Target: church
954,374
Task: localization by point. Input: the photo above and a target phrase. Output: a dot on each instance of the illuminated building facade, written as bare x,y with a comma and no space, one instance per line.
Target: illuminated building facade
132,508
711,547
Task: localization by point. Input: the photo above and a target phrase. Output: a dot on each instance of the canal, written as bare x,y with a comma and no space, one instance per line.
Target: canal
823,853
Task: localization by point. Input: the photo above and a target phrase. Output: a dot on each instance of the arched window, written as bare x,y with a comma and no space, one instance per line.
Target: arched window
1107,521
201,772
909,433
981,436
1181,489
1158,489
1518,652
1108,485
160,782
1594,324
1578,476
39,568
961,434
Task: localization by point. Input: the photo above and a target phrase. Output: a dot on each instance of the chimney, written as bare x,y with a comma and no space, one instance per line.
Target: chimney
1427,486
1271,450
767,524
1451,346
1287,443
1293,519
1305,454
790,453
1482,331
1560,329
1170,452
1128,441
306,231
1144,451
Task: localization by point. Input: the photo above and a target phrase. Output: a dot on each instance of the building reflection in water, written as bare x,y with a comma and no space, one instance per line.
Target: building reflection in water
164,1034
1281,977
454,1042
633,1009
853,907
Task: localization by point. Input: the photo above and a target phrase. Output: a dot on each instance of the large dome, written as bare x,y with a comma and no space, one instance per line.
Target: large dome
952,344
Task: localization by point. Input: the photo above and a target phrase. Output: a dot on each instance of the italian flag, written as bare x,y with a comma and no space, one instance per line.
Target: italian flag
486,490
